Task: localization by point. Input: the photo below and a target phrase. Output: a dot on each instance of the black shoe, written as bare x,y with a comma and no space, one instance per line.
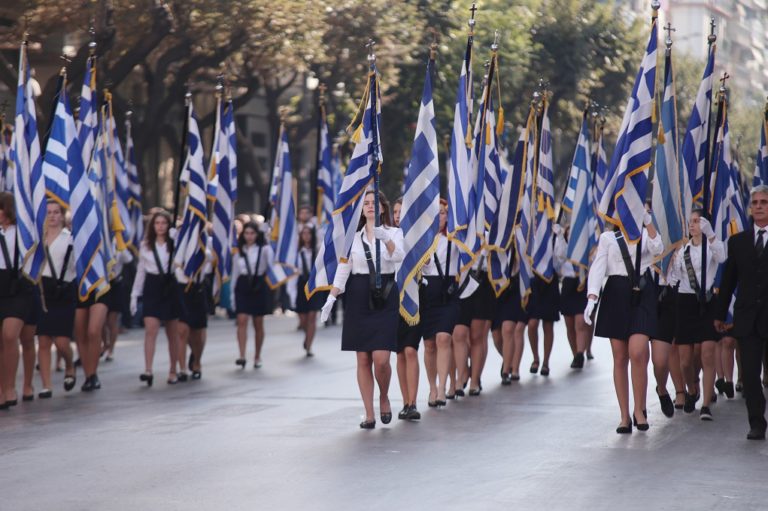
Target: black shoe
544,370
459,392
590,356
28,398
4,406
640,426
367,424
182,376
45,394
756,434
720,385
78,362
69,382
196,375
12,402
667,406
386,417
474,392
705,414
147,377
87,385
413,414
739,386
450,396
240,362
514,377
439,403
402,414
690,403
535,367
578,361
172,381
506,379
728,389
432,404
624,429
95,382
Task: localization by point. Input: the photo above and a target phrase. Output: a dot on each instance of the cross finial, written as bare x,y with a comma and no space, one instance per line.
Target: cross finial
371,55
669,31
472,10
433,46
495,45
722,82
712,28
471,21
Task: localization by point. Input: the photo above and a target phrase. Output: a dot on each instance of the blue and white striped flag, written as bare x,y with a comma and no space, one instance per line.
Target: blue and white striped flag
134,190
544,197
285,235
623,203
88,118
667,198
761,164
98,174
117,183
581,207
461,220
340,234
419,218
600,168
501,236
192,239
29,183
695,150
324,174
524,229
728,214
56,162
223,207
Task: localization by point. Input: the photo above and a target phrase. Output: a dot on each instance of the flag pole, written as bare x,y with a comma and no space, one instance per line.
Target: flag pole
318,195
182,156
374,91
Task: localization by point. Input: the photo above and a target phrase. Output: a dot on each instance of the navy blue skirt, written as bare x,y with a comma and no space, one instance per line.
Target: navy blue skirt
366,329
193,303
59,320
481,305
408,336
438,311
695,324
160,298
253,300
22,300
572,300
667,314
115,296
313,304
544,302
509,306
619,318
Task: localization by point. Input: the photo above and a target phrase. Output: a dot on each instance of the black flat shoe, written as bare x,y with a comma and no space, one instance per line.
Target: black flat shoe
739,386
148,378
28,398
402,414
640,425
720,386
690,403
12,402
578,361
514,377
535,367
182,376
432,404
441,402
544,370
624,429
459,393
728,389
450,396
240,362
667,406
505,379
705,414
45,394
386,417
474,392
413,414
756,434
69,382
196,375
590,356
4,406
368,424
95,382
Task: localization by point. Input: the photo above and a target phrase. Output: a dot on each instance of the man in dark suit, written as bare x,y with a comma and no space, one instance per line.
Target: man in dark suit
746,272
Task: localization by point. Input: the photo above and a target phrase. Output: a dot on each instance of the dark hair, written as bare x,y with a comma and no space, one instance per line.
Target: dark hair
7,206
260,240
698,211
385,217
313,238
150,236
444,202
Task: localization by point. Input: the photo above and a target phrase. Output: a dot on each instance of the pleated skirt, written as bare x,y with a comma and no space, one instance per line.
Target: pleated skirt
667,314
160,299
365,329
254,302
619,318
438,312
59,319
695,324
544,303
572,300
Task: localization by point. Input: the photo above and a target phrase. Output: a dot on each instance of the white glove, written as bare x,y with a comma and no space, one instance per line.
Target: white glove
557,229
381,233
647,219
325,312
134,305
706,228
591,303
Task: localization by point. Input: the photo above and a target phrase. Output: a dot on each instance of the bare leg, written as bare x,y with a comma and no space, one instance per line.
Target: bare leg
365,382
430,365
242,333
708,353
660,356
258,326
620,351
151,328
412,371
402,376
549,340
570,330
44,360
11,331
460,354
498,341
171,333
517,356
728,351
28,357
197,338
383,373
686,366
310,326
478,343
676,373
533,340
183,340
97,315
112,330
508,348
444,358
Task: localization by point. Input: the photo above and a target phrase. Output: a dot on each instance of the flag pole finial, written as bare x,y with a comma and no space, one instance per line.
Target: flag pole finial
668,41
655,5
712,37
433,45
723,88
471,21
371,54
92,43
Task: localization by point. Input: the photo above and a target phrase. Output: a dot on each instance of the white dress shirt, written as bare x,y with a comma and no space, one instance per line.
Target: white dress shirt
58,251
305,260
147,264
356,263
715,256
608,260
252,253
10,241
563,266
430,268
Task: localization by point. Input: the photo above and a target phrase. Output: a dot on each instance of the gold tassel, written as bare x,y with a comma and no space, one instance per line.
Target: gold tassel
653,112
500,122
117,227
487,134
550,210
357,136
540,202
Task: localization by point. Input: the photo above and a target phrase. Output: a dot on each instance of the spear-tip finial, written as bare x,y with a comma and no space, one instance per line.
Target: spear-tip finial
371,54
712,29
433,45
495,45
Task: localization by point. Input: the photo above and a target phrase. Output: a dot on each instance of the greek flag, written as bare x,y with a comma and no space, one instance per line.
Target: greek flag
29,184
600,168
349,205
501,236
524,229
56,162
667,190
545,197
419,218
695,150
88,118
193,239
581,207
489,169
117,183
761,165
134,190
623,204
285,241
728,214
461,225
98,178
232,154
324,174
223,207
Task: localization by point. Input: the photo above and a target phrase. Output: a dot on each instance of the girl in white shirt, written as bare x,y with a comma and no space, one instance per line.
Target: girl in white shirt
572,299
695,310
627,315
307,308
370,313
155,282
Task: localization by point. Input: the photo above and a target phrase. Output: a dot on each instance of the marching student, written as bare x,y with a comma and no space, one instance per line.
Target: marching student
627,313
695,312
115,301
664,353
307,309
482,310
370,312
156,284
57,323
543,307
513,322
573,298
251,295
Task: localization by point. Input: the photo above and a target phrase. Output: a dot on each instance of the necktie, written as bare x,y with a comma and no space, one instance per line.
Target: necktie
760,242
